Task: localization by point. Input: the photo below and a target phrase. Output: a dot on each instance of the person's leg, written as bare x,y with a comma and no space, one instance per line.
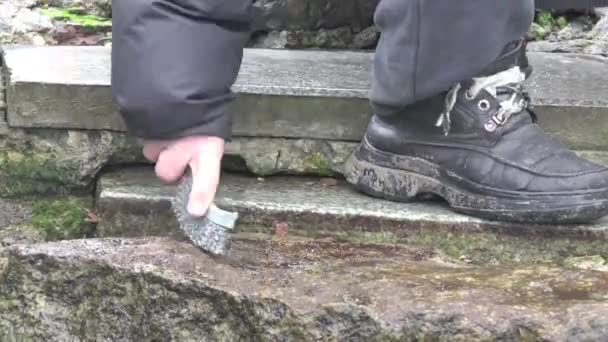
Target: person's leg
452,119
426,46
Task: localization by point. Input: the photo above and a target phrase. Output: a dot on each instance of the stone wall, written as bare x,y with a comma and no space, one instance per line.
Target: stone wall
315,23
292,24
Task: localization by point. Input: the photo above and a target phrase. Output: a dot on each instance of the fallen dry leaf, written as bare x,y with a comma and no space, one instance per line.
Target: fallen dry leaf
92,217
329,182
281,229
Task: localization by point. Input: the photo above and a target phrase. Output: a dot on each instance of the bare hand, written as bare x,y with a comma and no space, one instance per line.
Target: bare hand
202,154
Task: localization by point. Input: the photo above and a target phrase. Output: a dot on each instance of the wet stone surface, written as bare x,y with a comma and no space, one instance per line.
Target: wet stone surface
134,203
148,289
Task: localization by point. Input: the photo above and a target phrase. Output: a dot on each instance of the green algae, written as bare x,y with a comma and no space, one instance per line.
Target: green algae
41,173
317,163
545,22
77,16
22,173
490,248
29,166
61,218
472,248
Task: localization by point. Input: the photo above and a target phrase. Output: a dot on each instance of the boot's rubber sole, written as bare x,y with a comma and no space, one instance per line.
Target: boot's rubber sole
405,178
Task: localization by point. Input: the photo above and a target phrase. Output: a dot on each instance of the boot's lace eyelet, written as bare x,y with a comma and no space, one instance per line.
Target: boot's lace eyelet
483,105
505,87
490,126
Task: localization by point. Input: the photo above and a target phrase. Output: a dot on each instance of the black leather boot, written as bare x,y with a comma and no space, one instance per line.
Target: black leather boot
478,146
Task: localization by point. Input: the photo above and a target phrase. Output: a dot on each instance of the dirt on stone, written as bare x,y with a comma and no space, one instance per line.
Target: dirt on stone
13,213
288,289
14,216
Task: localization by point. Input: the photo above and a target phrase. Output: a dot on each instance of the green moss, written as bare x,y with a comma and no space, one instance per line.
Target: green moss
61,219
316,162
545,19
545,23
29,166
474,248
76,16
487,248
380,238
22,173
538,32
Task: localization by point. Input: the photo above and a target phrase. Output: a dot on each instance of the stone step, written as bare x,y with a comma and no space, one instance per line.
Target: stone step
284,93
155,289
133,203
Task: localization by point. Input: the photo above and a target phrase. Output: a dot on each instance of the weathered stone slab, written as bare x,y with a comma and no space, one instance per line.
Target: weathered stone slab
270,156
304,94
51,161
134,203
155,289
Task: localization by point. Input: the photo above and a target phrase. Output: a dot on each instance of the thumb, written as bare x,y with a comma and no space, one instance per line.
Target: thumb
205,179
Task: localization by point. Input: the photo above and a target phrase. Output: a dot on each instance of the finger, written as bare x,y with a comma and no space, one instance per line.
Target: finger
153,149
172,163
205,179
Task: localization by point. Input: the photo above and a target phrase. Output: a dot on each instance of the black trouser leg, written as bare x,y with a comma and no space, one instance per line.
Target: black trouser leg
426,46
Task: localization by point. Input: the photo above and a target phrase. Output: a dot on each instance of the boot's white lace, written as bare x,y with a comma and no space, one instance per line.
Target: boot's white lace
506,86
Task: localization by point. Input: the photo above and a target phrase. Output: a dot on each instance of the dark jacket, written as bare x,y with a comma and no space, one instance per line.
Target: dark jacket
174,62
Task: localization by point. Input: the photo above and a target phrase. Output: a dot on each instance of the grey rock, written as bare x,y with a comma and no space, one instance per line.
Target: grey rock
574,30
580,36
101,8
601,28
601,11
34,39
270,40
26,20
157,289
599,48
58,161
570,46
264,156
366,39
4,28
338,38
7,11
62,161
22,3
575,46
273,15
